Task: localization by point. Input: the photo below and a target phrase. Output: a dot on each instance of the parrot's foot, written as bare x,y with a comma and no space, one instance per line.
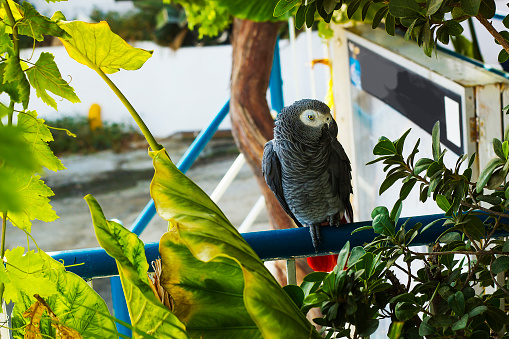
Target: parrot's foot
314,230
335,220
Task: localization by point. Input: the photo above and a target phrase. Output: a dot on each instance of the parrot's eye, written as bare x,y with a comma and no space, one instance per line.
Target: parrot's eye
310,117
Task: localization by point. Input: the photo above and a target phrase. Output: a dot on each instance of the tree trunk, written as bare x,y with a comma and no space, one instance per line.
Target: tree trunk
252,125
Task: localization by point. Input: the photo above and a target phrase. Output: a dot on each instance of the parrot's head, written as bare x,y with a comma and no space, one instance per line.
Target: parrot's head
310,119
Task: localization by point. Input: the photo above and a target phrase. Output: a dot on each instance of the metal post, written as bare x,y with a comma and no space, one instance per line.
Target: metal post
183,165
228,178
291,272
276,82
119,306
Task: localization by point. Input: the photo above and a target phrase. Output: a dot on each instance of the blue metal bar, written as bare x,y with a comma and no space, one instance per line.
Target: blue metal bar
119,305
269,245
184,164
276,82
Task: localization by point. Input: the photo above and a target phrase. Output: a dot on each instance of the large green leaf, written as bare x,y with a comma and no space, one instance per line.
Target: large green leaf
35,196
23,273
204,229
147,312
252,10
37,135
219,283
15,155
44,76
73,301
96,46
6,44
14,82
36,25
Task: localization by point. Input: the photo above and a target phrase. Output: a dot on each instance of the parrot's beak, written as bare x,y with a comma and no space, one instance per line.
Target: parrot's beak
332,128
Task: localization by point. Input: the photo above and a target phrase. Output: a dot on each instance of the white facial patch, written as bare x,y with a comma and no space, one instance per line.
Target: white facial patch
311,118
314,119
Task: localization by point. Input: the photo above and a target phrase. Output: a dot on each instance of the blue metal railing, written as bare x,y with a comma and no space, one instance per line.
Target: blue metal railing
267,244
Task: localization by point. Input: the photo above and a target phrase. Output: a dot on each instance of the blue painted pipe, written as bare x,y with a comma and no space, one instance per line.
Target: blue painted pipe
269,245
184,164
276,82
119,305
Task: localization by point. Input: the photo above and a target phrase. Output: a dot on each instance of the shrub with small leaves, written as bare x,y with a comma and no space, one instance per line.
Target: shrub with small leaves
447,296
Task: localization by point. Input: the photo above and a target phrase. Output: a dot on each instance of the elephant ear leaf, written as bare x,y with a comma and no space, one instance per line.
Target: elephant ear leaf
147,312
200,226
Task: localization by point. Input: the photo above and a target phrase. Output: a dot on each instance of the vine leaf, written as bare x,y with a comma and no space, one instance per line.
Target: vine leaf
14,82
37,135
76,307
44,76
5,40
96,46
16,156
147,312
35,196
23,272
36,25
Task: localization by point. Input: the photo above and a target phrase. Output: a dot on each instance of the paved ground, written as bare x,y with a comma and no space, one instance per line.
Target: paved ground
120,183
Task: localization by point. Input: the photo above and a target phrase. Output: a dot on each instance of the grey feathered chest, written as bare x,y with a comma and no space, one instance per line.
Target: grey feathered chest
306,181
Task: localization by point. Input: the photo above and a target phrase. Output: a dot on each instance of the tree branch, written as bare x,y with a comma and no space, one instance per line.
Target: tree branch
500,39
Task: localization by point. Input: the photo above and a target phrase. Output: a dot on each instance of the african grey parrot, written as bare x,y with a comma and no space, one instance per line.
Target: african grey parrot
307,168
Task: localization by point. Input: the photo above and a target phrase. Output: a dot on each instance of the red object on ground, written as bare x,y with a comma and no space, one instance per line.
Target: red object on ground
325,263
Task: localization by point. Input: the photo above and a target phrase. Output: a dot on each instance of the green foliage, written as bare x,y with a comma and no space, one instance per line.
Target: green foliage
147,312
97,47
211,17
425,22
439,301
48,300
209,236
73,301
73,135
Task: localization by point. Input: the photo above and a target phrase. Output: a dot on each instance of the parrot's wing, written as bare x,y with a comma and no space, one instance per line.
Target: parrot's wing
271,169
341,176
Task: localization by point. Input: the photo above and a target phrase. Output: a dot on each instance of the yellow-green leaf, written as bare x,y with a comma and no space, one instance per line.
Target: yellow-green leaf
37,135
44,76
15,83
96,46
209,236
147,313
76,305
195,285
5,40
36,25
35,196
25,272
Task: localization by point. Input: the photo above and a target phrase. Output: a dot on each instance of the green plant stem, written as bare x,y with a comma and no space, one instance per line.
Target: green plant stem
500,39
464,203
15,37
154,145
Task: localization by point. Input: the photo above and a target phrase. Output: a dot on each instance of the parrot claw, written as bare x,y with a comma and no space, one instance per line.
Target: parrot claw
314,230
335,220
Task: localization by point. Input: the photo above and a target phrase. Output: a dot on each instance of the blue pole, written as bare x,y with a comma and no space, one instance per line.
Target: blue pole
119,306
184,164
276,81
269,245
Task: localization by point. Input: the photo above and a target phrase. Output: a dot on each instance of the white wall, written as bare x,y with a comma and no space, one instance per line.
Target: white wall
173,91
